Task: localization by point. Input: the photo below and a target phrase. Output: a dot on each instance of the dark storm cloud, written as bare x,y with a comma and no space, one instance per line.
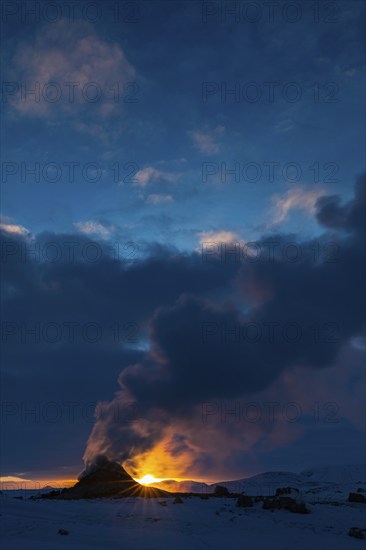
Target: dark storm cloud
52,291
313,309
350,216
184,307
196,364
93,284
201,359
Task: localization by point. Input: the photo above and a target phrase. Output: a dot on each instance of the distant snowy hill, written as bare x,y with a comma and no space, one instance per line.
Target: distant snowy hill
186,486
262,484
267,482
337,474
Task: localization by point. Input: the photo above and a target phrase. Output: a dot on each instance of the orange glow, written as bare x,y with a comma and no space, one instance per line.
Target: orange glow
15,482
156,460
148,479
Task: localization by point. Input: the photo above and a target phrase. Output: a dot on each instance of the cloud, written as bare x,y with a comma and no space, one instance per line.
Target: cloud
219,237
73,71
115,292
196,357
159,199
298,198
350,216
206,141
189,311
13,479
14,229
92,227
151,175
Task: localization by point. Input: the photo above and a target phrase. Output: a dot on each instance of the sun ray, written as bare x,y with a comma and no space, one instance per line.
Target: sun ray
148,479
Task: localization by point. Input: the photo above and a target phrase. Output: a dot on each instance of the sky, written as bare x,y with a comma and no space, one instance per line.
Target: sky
182,225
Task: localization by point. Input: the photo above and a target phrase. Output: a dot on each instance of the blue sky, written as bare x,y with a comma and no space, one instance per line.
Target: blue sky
132,132
177,122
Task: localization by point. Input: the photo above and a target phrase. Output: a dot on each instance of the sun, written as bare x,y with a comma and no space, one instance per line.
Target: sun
148,479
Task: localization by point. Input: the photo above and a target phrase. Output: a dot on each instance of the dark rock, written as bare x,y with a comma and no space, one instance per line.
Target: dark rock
244,501
63,532
221,491
51,494
286,502
299,508
271,504
286,491
356,497
178,500
357,533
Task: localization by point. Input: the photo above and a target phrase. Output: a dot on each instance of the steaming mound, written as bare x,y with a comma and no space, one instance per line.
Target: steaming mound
108,479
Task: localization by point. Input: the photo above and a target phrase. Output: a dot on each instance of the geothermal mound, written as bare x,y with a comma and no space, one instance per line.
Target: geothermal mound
106,479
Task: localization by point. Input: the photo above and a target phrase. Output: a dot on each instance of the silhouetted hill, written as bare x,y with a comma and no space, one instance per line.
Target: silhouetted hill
107,480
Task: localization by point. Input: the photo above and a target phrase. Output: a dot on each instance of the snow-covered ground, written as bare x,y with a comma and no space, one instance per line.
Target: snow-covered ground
215,523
